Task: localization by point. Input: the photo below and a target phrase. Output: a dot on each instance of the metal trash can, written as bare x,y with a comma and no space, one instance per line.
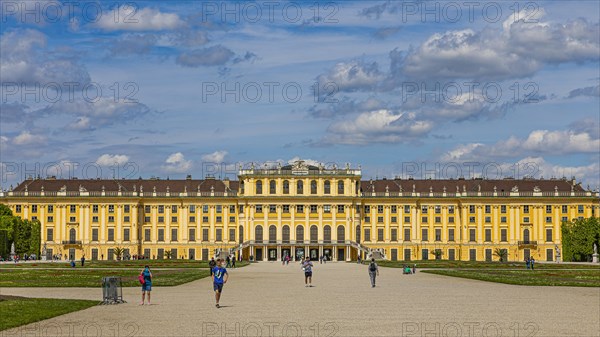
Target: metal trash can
112,292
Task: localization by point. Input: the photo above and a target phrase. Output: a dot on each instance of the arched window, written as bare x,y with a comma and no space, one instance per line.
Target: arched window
259,187
242,187
313,187
340,187
314,234
327,187
285,234
72,235
299,234
526,235
258,234
341,234
358,233
272,187
300,187
241,233
272,234
327,234
286,187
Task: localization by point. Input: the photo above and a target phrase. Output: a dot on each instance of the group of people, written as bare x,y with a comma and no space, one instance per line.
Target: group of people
529,262
17,258
407,270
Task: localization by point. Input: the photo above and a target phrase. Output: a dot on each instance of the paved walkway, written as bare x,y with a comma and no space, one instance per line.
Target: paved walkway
270,300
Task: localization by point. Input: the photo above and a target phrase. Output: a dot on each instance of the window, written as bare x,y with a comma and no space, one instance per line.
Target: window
147,234
192,208
425,254
438,219
258,234
72,208
340,187
424,234
286,187
526,209
192,234
580,209
241,209
161,234
174,209
503,219
406,234
232,234
313,187
313,208
424,219
146,209
327,187
259,187
379,234
111,234
564,219
526,219
219,209
219,219
406,219
314,234
110,219
272,209
340,208
300,187
472,219
503,235
18,208
394,209
379,219
548,219
488,234
438,209
503,209
50,208
367,209
548,209
451,209
472,233
548,234
488,209
564,209
33,218
367,219
327,234
204,208
394,234
424,209
34,208
126,218
219,234
471,208
72,234
50,218
161,209
327,208
272,234
192,219
126,232
49,234
205,219
450,234
126,208
204,234
161,219
259,209
72,219
472,254
379,209
160,253
272,187
173,234
299,234
438,234
488,219
341,234
232,219
111,208
394,219
367,234
406,209
300,208
450,219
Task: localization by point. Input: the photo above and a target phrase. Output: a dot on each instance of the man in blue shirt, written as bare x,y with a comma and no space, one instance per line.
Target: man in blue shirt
219,276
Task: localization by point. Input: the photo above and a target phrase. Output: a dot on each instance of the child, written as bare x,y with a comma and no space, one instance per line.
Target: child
219,276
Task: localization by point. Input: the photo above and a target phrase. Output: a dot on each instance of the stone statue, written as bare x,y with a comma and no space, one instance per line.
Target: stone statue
44,251
12,251
595,248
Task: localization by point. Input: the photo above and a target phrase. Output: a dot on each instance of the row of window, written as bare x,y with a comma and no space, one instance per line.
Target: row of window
299,187
451,234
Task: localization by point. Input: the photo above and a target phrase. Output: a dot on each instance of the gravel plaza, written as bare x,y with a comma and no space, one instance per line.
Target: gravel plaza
268,299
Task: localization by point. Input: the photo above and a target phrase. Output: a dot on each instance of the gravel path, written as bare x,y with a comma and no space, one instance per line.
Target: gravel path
268,299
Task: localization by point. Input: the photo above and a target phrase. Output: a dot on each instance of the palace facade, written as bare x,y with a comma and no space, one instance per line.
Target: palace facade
302,210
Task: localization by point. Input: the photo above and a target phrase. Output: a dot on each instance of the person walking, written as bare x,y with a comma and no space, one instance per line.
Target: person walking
233,261
228,259
220,277
82,260
414,270
211,265
527,262
147,285
532,261
373,272
307,266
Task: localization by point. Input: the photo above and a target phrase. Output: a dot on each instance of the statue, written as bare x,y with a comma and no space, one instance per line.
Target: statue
44,251
12,251
595,255
595,248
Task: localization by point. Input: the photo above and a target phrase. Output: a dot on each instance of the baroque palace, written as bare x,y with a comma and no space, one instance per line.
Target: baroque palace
302,210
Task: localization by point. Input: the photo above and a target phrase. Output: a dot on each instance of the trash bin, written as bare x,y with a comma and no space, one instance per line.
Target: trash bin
112,292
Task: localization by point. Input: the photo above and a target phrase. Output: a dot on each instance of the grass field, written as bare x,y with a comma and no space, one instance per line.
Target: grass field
538,277
481,265
118,264
17,311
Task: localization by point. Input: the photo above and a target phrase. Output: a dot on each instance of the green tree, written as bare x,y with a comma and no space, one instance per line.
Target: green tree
118,252
22,236
35,241
578,238
168,254
5,210
501,253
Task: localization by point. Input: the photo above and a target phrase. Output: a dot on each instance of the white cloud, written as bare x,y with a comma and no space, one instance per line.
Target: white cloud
27,138
134,19
350,76
215,157
206,57
176,163
112,159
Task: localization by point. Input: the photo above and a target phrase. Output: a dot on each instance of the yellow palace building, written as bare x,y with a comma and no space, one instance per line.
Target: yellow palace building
302,210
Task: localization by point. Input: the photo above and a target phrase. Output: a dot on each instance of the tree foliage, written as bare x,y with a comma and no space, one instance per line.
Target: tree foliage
25,234
578,238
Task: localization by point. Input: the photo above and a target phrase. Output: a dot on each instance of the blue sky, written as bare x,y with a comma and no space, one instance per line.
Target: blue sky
510,86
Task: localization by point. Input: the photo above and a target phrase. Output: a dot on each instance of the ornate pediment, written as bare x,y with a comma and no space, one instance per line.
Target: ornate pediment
299,167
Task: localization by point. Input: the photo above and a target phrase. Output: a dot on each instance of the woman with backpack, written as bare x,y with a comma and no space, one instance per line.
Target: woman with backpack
146,280
373,272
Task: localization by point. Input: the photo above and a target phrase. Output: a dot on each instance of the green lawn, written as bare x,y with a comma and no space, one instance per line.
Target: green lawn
82,277
17,311
538,277
119,264
480,265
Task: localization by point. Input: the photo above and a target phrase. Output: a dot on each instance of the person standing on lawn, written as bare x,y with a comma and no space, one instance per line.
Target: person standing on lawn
147,285
220,277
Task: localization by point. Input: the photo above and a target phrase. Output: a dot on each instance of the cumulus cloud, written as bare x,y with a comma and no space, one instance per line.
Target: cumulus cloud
206,57
587,91
13,112
112,159
345,106
28,138
133,44
177,163
130,18
349,77
215,157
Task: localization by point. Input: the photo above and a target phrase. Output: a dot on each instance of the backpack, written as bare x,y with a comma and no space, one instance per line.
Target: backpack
372,266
